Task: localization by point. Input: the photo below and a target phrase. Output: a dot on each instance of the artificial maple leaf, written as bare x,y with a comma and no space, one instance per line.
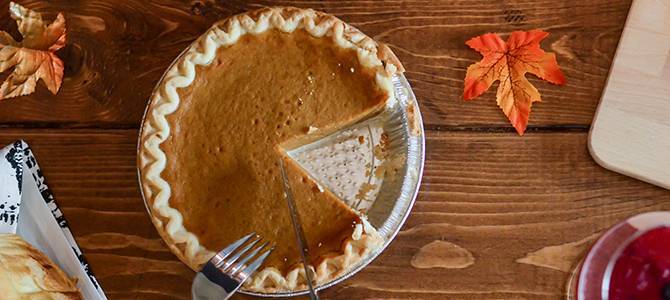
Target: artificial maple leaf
33,58
508,63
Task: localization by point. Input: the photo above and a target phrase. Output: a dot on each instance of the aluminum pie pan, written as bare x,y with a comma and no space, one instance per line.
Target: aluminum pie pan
397,192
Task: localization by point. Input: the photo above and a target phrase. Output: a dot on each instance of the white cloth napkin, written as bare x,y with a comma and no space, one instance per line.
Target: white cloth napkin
11,174
28,209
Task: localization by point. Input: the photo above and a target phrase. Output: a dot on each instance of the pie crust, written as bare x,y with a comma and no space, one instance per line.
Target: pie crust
27,273
152,160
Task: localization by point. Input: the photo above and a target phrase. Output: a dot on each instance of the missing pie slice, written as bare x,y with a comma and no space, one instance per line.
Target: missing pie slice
216,126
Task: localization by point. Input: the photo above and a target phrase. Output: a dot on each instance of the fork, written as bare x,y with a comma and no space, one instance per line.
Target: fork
224,273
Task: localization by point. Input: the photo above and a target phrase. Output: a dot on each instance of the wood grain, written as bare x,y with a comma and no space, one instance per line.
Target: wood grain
117,51
503,198
638,91
498,216
442,254
516,205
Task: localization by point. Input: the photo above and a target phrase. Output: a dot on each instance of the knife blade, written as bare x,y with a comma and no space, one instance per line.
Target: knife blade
297,227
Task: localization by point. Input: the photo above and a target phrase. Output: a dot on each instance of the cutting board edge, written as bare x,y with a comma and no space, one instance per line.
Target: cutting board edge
612,166
603,159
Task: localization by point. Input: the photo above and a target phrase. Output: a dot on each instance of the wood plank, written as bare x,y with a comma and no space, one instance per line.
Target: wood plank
526,209
498,216
117,51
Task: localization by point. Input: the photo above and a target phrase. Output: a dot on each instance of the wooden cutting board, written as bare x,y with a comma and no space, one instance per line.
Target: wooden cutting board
631,129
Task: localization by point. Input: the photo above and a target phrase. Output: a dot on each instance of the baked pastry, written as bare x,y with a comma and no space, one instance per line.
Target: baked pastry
220,119
26,273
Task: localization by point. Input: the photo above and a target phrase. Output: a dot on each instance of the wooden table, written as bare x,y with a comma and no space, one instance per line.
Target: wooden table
498,216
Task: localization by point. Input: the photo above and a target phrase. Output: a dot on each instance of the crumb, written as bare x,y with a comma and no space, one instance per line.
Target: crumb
381,150
361,139
384,140
311,129
364,190
317,188
390,166
414,125
352,70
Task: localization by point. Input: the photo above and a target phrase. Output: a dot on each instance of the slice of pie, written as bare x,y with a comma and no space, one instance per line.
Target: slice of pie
217,126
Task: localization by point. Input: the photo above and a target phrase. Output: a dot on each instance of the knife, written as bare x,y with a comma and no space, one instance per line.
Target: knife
300,235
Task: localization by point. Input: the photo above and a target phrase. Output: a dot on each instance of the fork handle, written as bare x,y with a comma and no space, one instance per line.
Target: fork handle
207,290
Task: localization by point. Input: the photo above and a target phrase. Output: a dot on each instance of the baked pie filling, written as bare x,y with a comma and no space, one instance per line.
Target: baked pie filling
212,175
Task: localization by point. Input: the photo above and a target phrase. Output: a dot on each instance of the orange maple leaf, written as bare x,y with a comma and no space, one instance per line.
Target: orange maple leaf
508,63
33,58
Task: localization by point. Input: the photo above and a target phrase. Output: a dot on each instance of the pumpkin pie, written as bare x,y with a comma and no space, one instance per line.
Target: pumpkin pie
220,120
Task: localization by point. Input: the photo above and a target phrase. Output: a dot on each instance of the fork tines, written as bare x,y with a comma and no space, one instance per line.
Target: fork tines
233,259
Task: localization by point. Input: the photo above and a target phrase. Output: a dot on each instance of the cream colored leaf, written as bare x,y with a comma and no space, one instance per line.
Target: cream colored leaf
6,39
33,58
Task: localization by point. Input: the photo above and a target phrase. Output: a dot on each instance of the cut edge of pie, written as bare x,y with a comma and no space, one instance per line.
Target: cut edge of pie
165,100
